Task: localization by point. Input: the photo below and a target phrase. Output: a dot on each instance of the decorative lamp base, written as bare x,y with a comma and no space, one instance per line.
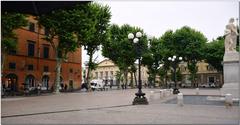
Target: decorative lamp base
176,91
140,99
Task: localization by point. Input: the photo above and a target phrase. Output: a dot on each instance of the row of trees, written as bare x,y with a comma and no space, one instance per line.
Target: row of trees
186,42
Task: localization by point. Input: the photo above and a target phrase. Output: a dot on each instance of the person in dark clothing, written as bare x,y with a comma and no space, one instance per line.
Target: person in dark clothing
65,87
61,86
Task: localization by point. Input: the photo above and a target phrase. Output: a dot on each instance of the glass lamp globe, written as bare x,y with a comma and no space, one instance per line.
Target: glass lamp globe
180,58
130,36
138,34
135,40
169,58
174,57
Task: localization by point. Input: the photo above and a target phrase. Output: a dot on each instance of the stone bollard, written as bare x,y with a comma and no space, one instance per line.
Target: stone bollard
164,93
228,100
180,99
171,91
197,91
161,93
151,97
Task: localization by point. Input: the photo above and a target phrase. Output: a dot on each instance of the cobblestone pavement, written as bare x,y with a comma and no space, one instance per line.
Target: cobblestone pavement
113,107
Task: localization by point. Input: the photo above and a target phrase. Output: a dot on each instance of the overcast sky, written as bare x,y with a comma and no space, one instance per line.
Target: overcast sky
156,17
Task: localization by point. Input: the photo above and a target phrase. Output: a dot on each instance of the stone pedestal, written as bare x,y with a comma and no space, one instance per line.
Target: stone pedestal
231,74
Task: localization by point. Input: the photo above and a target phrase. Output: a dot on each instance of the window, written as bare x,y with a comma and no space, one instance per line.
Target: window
45,69
106,74
46,31
211,79
12,52
46,52
12,65
30,81
71,70
31,27
111,74
31,47
30,67
45,81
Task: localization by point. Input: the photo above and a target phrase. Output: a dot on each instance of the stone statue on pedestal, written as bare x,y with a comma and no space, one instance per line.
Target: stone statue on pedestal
231,61
230,36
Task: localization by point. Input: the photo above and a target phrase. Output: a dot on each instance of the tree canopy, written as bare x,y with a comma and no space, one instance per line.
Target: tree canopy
10,22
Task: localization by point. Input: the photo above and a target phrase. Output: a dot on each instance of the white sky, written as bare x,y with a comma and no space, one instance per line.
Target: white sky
156,17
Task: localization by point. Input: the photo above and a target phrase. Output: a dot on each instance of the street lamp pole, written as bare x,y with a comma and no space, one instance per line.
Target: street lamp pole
139,76
175,60
139,99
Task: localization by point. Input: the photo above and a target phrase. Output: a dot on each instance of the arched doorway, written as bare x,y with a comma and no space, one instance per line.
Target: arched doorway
11,83
30,82
45,82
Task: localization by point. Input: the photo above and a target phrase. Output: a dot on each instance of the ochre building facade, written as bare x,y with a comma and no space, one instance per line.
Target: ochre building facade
34,62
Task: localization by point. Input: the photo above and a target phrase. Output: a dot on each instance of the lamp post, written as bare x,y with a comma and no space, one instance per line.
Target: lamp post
139,99
175,61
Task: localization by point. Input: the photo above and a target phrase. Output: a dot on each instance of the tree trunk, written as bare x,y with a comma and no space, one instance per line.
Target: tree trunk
58,74
131,82
125,78
154,80
135,77
89,71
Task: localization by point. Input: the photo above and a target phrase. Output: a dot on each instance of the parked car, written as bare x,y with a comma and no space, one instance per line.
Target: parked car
208,85
185,85
204,85
97,84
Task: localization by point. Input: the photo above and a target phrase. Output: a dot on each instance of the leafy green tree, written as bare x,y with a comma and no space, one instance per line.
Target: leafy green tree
155,57
10,22
122,51
189,44
57,22
214,52
84,25
168,50
91,22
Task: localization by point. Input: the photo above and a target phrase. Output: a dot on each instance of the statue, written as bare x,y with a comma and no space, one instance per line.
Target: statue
230,36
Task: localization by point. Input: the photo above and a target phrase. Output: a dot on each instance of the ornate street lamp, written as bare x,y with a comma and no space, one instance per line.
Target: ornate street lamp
139,99
175,61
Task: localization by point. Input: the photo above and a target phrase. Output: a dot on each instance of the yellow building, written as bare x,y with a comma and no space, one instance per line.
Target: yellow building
206,75
107,70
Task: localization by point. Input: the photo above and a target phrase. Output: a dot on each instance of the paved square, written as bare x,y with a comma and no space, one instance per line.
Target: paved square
113,107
